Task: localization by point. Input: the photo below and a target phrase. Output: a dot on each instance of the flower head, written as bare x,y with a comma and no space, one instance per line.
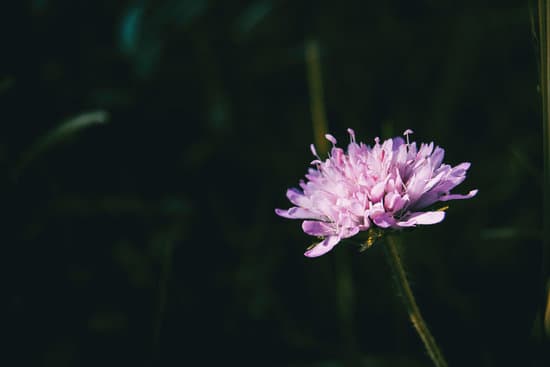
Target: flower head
387,186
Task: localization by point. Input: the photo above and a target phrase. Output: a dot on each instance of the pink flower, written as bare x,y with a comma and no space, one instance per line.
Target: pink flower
386,186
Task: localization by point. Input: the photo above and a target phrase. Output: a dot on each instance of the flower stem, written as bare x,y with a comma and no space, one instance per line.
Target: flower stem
418,322
317,106
544,84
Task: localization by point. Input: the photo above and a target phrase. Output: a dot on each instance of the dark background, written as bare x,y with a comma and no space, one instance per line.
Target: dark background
151,239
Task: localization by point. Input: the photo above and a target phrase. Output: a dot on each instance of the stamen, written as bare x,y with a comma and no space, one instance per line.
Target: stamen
407,133
351,135
314,151
331,138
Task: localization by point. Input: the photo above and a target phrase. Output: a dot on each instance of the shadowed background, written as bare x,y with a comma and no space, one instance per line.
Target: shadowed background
145,144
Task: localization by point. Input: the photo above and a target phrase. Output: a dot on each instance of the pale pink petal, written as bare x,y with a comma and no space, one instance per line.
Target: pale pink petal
426,200
377,191
422,218
298,213
323,247
412,150
393,202
316,228
366,222
433,182
469,195
384,220
297,197
397,142
429,217
349,232
376,210
437,157
387,146
460,169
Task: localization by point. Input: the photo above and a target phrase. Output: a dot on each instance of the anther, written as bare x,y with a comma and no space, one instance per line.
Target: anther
331,138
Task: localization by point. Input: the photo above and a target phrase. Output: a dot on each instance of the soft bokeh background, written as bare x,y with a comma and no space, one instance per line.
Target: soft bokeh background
143,232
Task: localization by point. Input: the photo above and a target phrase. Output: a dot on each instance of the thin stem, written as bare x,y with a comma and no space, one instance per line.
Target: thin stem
317,106
418,322
544,84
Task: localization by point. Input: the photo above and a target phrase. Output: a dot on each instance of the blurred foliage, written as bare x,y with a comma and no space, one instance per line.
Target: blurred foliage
151,239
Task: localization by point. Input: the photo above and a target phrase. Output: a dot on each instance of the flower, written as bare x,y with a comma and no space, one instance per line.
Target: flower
386,186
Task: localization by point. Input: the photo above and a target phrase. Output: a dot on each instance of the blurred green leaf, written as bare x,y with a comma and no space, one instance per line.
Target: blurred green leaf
253,15
59,134
503,233
130,29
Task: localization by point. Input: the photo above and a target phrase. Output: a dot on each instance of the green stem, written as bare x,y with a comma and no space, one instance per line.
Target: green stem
317,106
418,322
544,53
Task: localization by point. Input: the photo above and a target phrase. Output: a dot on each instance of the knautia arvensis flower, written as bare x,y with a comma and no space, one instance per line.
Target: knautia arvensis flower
387,186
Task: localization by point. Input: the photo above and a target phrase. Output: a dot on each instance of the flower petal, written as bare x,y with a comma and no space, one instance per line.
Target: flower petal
376,210
296,197
349,232
427,199
377,191
298,213
437,157
393,202
460,169
323,247
469,195
316,228
384,220
422,218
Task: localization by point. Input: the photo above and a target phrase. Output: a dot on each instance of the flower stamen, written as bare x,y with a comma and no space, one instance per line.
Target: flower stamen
407,133
351,135
331,138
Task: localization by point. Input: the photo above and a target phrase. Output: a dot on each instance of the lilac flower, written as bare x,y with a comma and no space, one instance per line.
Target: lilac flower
385,186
